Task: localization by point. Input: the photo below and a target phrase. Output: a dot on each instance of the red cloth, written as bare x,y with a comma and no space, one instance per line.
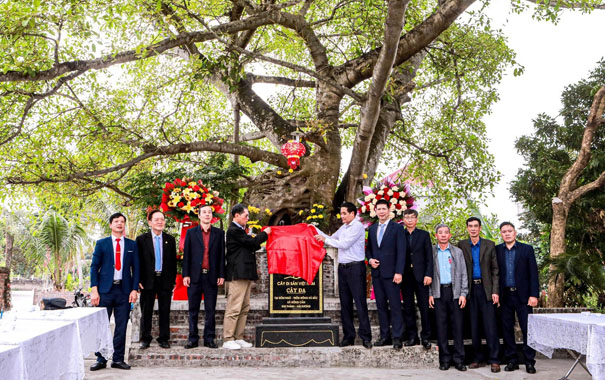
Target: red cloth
206,257
118,254
293,250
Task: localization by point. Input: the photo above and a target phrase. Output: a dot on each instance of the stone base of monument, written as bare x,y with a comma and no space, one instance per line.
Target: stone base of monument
297,332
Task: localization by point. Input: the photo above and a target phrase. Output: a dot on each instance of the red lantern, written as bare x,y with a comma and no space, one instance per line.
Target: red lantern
293,150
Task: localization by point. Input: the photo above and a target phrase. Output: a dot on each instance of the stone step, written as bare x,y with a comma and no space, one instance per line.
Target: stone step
352,356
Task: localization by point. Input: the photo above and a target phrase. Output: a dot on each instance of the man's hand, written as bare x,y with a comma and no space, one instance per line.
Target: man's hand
219,282
495,299
431,302
141,286
94,296
267,230
320,238
186,281
397,278
427,280
533,302
133,296
374,263
462,302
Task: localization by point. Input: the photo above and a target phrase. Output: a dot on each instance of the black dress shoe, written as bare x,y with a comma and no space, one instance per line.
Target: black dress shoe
120,365
383,342
190,345
97,366
426,344
164,344
511,367
210,344
444,366
530,368
397,344
460,367
367,344
411,342
346,342
144,345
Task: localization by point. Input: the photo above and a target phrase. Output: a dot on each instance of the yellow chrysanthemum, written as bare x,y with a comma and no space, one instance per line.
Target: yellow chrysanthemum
290,171
279,172
321,216
300,212
337,216
312,211
320,206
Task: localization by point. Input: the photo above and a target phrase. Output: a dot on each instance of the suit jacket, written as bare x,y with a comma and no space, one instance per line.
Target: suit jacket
147,261
241,249
459,275
488,263
102,265
193,254
526,270
420,254
391,252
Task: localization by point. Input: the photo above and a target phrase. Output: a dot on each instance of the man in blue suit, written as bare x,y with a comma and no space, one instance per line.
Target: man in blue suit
385,251
203,273
114,281
520,292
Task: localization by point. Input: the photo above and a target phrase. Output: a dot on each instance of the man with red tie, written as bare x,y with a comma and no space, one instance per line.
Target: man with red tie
114,281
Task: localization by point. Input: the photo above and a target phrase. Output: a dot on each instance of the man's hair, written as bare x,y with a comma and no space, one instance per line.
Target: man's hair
154,211
115,216
202,206
238,209
442,225
472,219
383,202
349,206
506,224
410,211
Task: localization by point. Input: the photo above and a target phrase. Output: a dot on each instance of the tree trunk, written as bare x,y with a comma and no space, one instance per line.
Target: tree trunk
8,249
557,247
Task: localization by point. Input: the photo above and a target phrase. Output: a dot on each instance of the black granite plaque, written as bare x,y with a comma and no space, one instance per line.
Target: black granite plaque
293,296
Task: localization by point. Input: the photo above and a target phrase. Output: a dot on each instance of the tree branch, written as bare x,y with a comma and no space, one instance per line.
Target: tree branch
253,78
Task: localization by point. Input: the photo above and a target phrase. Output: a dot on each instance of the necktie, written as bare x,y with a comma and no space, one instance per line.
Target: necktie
158,254
380,233
118,254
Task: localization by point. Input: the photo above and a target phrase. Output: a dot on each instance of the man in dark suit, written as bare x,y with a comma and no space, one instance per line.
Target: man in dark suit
520,292
114,281
385,251
484,286
157,256
241,272
203,273
417,277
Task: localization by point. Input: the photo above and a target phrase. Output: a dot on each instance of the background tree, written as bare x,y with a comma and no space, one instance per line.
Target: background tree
559,189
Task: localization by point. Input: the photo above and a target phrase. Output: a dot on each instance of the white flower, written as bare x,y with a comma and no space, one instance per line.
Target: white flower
392,208
367,198
363,209
404,207
391,215
390,193
395,188
381,192
402,202
393,200
372,214
372,196
399,212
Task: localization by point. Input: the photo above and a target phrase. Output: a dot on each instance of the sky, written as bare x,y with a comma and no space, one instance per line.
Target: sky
554,56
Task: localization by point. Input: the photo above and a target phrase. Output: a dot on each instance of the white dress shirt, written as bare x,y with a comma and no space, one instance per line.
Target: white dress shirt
350,239
117,274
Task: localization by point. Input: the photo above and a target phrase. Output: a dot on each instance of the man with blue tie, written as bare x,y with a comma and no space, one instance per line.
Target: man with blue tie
157,257
520,292
114,281
385,251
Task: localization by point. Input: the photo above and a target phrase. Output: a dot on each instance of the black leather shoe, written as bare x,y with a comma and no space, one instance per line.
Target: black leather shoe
444,366
411,342
97,366
367,344
120,365
210,344
530,368
346,342
426,344
511,367
190,345
460,367
144,345
164,344
397,344
383,342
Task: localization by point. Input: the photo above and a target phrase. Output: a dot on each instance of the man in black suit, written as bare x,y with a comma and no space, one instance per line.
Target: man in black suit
417,277
241,272
484,290
203,273
385,251
157,257
520,292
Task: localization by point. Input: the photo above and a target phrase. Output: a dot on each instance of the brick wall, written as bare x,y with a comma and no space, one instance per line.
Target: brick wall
5,291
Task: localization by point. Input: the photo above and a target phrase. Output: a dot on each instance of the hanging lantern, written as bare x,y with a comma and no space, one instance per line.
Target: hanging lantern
293,150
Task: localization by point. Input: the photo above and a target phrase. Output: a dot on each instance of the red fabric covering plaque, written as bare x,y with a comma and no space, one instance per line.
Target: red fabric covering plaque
292,250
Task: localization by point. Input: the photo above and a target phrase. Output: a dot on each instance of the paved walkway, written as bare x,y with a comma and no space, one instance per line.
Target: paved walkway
547,369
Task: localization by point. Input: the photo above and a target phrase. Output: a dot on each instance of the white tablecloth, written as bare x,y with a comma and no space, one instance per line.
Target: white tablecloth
583,333
48,349
11,363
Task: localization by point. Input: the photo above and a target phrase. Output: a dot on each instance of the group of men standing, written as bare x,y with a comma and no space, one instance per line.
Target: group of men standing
403,261
447,277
